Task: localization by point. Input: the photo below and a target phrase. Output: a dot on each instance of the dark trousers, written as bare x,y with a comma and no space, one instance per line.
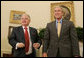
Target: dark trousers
58,53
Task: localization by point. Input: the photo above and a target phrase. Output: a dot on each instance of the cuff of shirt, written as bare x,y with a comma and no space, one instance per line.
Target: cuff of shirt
16,46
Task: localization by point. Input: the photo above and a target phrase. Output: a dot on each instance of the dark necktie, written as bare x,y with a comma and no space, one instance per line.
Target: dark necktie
26,40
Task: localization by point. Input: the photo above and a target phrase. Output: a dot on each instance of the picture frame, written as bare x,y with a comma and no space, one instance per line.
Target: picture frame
10,30
69,6
15,16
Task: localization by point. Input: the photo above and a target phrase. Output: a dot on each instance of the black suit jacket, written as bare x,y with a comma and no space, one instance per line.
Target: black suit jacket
17,35
67,42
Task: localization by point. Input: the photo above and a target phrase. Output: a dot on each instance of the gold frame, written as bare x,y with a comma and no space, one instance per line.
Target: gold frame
18,13
69,5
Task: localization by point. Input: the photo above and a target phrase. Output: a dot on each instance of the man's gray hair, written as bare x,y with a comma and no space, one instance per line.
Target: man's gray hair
26,14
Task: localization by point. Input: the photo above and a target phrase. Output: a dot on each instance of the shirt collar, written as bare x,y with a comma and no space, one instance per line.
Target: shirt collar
24,27
60,20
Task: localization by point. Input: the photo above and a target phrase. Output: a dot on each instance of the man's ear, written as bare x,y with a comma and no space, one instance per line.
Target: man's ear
63,12
29,20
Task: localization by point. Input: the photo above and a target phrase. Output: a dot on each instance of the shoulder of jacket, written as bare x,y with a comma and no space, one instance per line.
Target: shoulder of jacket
68,21
50,23
32,28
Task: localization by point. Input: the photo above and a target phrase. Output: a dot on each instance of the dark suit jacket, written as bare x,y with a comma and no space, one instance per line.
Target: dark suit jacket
67,42
17,35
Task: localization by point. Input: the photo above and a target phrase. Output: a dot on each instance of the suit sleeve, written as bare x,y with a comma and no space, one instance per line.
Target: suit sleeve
46,40
38,40
12,39
74,40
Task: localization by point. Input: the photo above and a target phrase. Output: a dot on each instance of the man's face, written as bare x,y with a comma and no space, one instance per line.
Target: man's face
58,13
25,20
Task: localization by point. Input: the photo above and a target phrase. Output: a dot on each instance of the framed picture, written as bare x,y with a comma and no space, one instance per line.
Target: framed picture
68,8
15,16
10,30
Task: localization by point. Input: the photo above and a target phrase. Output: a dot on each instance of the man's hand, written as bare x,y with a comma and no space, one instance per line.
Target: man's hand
36,45
20,45
45,55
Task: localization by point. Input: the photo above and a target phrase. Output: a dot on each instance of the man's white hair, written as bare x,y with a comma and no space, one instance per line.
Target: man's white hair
26,14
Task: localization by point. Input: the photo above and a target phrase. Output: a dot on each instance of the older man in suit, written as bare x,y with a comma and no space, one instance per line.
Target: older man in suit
24,39
60,39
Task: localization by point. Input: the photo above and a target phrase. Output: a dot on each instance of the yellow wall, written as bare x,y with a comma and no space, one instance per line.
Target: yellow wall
39,12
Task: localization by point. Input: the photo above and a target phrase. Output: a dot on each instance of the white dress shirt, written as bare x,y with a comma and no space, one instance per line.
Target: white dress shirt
30,44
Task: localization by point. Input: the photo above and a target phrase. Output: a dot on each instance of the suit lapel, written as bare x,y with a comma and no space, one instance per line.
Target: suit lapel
22,33
55,28
62,27
30,34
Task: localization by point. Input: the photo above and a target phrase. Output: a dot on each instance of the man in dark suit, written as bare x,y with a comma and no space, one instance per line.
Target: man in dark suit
24,39
60,39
